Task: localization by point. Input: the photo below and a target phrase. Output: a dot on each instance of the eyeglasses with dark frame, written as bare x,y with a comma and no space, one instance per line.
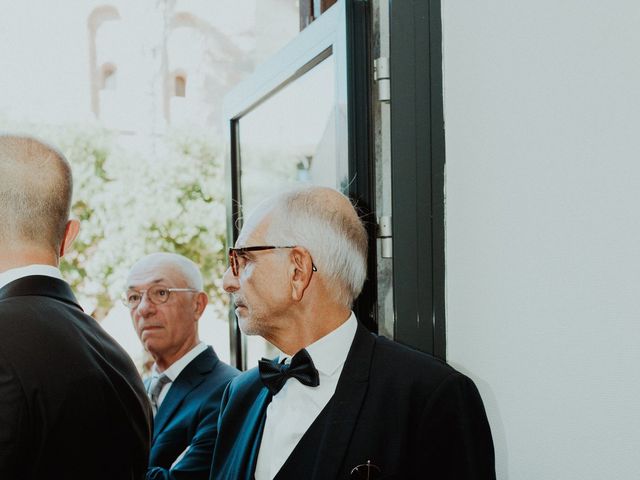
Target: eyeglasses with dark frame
157,295
234,252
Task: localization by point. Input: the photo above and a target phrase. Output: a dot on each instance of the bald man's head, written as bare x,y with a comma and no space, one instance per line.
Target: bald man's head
35,193
178,266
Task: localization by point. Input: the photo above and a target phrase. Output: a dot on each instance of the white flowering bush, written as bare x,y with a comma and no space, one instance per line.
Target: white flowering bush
131,204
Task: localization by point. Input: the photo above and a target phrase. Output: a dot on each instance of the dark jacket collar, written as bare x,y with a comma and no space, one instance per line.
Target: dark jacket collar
240,443
190,377
39,285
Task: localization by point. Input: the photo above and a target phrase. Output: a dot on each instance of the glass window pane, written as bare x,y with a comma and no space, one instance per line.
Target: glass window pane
294,137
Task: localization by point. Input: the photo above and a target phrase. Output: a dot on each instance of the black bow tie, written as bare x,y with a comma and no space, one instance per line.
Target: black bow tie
274,375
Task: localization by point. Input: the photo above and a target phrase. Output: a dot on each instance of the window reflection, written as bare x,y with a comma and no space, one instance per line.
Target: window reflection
292,137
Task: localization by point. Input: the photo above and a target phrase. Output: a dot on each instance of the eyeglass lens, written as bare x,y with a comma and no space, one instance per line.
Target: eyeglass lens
155,294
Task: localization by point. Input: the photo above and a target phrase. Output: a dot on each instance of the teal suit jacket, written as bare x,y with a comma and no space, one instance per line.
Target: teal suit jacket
409,414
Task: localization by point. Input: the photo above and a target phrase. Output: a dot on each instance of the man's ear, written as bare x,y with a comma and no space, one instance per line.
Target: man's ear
70,234
200,304
302,267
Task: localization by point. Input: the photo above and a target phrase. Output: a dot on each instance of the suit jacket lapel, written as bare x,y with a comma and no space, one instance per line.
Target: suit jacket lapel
191,376
255,438
346,404
241,443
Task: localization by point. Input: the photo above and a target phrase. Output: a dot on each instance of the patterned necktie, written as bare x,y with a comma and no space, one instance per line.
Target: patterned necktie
155,387
274,375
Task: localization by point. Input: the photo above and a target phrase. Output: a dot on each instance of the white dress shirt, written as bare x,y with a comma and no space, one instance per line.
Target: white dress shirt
295,407
174,370
9,276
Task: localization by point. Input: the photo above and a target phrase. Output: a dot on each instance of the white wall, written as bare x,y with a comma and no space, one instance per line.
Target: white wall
43,53
542,118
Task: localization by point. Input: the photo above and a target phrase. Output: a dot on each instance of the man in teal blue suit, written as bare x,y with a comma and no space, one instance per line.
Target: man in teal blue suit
340,402
165,298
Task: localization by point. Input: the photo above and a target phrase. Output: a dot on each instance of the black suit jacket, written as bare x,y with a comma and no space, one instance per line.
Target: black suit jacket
188,418
72,405
410,415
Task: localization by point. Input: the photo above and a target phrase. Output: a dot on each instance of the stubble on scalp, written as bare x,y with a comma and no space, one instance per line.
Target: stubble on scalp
35,192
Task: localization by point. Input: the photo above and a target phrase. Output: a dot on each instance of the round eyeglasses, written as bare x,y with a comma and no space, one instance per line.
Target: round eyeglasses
156,295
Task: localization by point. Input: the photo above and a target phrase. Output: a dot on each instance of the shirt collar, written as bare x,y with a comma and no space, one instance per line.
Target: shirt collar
330,352
176,367
12,274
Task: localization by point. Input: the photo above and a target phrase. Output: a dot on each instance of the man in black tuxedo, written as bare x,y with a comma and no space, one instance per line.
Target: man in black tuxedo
72,404
339,402
166,300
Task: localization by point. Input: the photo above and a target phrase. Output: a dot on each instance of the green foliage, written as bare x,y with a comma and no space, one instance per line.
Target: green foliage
131,204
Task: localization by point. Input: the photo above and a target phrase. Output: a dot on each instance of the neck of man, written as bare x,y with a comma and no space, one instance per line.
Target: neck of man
165,361
309,324
21,256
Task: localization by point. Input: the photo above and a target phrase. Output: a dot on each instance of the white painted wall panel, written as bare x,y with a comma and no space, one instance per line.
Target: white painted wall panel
542,119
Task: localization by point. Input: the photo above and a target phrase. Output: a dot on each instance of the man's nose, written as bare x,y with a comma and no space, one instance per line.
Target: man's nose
145,307
230,281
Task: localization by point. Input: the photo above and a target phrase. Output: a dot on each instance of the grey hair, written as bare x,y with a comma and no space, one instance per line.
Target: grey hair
324,222
187,268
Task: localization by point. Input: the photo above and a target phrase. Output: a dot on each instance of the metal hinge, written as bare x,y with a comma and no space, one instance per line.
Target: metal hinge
382,77
384,234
